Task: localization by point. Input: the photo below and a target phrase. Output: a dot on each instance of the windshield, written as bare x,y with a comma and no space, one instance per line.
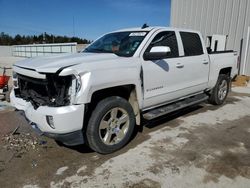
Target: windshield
120,43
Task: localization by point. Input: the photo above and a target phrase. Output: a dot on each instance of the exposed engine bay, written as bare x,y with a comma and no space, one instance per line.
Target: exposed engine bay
53,91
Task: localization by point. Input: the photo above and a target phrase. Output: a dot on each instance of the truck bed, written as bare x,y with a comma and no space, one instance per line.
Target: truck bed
222,59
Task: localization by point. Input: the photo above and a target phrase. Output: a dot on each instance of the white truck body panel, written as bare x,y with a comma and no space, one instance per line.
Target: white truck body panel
218,62
62,116
176,77
156,82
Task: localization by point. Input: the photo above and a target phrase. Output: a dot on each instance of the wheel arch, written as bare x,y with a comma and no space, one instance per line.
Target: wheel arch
128,92
226,71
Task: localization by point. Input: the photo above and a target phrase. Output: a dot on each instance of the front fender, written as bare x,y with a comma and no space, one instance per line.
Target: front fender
104,79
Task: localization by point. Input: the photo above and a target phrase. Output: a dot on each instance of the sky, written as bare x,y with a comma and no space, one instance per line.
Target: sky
82,18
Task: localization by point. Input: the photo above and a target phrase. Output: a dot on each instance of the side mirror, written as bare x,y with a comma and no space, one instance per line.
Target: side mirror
157,53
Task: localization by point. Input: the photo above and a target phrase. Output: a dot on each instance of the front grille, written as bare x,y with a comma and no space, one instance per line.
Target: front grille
52,91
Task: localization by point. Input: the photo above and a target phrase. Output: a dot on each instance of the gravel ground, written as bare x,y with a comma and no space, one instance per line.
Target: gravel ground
202,146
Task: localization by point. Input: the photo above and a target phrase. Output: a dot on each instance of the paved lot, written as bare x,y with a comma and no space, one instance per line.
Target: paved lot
203,146
8,62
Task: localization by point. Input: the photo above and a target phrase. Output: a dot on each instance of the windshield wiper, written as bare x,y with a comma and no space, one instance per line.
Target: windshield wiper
120,54
97,50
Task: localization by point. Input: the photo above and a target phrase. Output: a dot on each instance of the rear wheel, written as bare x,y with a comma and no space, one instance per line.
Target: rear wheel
220,91
111,125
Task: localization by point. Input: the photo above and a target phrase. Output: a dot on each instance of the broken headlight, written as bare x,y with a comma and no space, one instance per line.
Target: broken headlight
78,83
75,87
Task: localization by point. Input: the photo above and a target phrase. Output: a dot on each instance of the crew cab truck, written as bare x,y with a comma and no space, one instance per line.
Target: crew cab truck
99,95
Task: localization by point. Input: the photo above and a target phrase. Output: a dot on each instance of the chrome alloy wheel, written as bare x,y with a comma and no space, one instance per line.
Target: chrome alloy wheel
223,88
114,126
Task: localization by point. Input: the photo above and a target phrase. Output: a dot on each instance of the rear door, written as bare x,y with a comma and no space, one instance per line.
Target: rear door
195,62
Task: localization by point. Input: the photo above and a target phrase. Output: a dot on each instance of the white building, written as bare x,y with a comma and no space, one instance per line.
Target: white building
223,17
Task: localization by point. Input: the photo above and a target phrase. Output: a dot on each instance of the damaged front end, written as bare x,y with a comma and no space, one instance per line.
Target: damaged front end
53,91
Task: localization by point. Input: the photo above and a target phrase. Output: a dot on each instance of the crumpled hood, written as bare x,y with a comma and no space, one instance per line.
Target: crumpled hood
54,63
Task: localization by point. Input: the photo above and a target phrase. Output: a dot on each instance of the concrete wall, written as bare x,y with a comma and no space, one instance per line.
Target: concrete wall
43,49
7,60
80,47
5,51
225,17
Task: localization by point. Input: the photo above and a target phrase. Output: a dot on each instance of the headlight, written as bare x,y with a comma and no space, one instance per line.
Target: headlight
75,87
78,83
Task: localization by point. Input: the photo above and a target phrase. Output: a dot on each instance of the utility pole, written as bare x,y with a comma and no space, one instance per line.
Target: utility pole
44,37
73,26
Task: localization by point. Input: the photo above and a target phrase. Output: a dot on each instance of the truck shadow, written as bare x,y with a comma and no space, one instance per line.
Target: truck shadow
163,120
192,110
141,132
83,148
170,121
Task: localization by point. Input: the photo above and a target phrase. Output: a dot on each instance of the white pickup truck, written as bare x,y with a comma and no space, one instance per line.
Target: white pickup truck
99,95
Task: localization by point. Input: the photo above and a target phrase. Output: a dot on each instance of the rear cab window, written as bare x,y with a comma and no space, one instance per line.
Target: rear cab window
191,44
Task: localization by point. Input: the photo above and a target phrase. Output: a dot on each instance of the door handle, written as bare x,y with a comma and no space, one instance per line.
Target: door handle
179,65
205,63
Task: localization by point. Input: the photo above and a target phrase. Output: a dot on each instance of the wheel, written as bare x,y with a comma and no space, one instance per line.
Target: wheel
220,91
111,125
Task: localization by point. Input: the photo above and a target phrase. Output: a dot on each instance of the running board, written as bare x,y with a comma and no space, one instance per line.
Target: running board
157,112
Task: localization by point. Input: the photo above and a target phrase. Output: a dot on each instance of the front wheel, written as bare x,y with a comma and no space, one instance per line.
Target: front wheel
220,91
111,125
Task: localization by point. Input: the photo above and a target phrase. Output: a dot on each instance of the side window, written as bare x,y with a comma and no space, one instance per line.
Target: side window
166,38
191,43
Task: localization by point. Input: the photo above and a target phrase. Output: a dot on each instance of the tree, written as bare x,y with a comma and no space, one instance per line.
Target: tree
6,39
18,39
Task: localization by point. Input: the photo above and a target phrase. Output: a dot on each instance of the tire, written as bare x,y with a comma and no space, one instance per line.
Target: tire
220,91
111,125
